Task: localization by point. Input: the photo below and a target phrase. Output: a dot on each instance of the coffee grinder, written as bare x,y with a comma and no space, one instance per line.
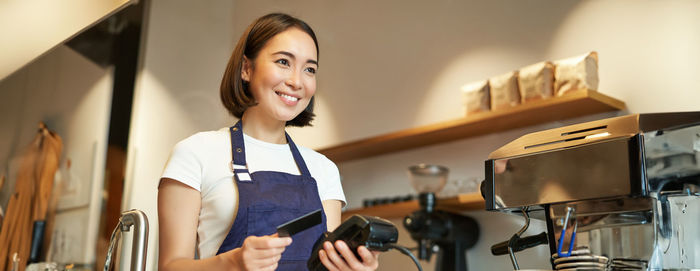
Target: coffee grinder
448,234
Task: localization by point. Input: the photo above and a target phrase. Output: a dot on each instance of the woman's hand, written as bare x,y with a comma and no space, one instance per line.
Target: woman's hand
330,258
260,252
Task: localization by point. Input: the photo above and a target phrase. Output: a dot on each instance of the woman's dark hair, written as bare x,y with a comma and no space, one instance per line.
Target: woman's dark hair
234,92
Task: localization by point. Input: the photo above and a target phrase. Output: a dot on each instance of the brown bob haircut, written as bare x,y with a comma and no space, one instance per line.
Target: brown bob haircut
234,91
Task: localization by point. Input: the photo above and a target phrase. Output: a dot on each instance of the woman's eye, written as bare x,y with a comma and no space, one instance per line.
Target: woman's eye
310,70
283,62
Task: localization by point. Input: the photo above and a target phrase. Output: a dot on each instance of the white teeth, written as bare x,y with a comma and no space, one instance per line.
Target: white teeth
287,97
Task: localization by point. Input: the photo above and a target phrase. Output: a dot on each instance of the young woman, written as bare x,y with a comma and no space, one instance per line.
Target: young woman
223,192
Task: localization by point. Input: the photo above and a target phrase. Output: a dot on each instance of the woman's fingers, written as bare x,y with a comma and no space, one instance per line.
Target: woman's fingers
267,253
341,257
335,257
366,255
267,242
265,246
326,261
271,267
263,252
369,258
349,256
266,262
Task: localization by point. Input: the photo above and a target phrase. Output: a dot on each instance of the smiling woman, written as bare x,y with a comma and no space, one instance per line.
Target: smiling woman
223,192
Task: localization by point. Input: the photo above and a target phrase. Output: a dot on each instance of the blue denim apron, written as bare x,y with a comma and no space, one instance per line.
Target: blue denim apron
267,199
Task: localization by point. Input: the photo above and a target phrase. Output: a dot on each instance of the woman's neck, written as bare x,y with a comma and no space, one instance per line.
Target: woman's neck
267,130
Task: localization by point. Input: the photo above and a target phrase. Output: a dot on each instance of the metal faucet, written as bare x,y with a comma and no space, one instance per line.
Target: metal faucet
139,245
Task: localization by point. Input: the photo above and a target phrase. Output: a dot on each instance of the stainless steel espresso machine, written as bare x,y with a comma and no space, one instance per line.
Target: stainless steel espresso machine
616,194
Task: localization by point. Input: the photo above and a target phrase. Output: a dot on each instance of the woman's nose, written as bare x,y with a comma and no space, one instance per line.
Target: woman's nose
294,81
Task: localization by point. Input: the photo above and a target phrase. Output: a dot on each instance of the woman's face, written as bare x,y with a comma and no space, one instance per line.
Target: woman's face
282,78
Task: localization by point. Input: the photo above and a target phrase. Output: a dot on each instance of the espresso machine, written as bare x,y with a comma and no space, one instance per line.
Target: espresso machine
616,194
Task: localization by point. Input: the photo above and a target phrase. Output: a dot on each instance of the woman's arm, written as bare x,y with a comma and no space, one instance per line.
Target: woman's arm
329,255
332,208
178,217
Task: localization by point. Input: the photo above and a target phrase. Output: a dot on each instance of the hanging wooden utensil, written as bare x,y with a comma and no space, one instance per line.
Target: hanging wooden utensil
29,203
45,171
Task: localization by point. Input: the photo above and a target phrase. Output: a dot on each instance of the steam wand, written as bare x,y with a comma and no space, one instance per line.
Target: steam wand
513,240
519,243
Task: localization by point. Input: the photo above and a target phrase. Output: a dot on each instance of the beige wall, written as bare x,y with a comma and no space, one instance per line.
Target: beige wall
392,65
186,48
34,27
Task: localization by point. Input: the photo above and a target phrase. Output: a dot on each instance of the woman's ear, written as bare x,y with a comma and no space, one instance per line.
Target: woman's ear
245,69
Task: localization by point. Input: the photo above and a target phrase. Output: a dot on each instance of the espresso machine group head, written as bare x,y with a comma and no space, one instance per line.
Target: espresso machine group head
616,194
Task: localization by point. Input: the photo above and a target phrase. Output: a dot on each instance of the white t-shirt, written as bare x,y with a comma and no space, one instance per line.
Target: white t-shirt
201,161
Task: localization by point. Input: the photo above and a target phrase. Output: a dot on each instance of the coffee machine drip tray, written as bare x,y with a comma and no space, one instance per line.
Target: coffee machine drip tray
620,230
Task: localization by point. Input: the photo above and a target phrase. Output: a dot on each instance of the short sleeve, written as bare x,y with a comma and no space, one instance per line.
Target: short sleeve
332,187
184,165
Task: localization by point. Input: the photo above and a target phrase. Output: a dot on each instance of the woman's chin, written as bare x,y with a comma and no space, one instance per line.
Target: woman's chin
287,116
285,119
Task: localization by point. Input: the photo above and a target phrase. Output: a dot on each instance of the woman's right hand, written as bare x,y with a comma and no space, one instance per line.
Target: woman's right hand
260,252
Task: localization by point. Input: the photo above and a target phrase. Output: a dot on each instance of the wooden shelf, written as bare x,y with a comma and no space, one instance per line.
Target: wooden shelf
575,104
460,203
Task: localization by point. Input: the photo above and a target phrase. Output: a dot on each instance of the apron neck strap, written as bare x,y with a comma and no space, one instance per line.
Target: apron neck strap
239,164
297,157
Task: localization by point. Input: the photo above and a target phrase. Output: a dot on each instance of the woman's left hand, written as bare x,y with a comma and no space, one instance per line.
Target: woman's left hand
333,261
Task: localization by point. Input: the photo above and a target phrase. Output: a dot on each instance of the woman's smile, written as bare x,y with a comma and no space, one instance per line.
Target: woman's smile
288,99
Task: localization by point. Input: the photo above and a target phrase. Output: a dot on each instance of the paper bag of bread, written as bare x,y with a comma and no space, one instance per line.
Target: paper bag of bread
576,73
476,97
536,81
504,91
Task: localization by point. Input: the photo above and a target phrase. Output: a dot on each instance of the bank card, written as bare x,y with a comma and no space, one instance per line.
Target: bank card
300,224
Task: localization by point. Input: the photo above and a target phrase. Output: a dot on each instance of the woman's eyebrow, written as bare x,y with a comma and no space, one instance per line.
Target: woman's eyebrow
290,55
